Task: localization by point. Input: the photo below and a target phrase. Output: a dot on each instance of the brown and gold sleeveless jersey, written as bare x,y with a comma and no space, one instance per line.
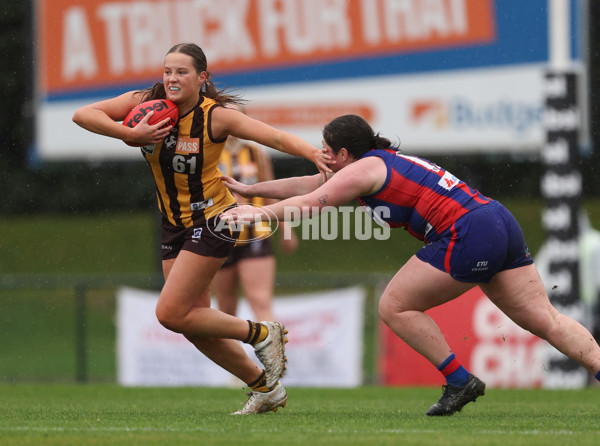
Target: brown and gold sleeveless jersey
247,165
185,169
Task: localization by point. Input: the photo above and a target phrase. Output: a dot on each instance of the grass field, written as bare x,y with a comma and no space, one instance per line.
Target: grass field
108,415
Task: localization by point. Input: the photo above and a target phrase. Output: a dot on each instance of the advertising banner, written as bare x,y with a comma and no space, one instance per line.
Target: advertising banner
484,340
441,75
97,43
325,347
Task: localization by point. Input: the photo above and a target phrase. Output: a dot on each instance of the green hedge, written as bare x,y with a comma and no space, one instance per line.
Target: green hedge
83,188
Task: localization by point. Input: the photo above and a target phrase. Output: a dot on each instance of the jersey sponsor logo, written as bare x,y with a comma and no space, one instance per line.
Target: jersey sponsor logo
200,205
448,181
149,149
188,145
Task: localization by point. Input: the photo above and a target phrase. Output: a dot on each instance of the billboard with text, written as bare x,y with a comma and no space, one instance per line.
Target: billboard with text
442,75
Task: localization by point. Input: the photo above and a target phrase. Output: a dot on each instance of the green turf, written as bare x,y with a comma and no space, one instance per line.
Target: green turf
110,415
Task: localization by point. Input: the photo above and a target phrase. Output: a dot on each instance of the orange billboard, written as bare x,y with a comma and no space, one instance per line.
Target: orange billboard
86,45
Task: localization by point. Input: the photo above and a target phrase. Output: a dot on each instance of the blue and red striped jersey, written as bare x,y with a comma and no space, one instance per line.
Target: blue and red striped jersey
419,196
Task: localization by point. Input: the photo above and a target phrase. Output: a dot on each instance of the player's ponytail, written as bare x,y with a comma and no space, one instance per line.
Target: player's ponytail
379,142
157,91
222,97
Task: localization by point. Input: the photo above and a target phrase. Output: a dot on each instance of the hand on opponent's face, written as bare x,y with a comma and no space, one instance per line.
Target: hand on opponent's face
323,161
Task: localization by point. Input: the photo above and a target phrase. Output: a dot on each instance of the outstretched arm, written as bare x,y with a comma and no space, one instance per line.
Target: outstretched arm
278,189
362,177
227,121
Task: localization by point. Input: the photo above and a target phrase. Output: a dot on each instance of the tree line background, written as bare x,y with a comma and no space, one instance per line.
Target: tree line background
80,187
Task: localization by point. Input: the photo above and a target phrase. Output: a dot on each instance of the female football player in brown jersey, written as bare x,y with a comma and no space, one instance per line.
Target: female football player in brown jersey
184,162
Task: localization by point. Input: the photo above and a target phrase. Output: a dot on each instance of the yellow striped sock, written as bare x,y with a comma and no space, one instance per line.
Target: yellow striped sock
257,332
260,385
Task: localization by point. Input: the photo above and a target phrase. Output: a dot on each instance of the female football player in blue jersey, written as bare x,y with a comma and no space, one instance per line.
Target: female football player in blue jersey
184,161
469,240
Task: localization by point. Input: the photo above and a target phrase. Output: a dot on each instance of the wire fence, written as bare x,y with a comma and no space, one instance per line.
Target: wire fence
28,308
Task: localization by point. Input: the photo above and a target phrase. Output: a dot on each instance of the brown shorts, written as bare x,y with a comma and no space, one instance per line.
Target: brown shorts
252,250
205,239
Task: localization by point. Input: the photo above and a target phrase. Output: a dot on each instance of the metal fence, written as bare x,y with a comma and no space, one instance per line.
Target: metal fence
80,287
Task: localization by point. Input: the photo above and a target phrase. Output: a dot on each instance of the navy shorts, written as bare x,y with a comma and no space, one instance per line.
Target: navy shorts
478,245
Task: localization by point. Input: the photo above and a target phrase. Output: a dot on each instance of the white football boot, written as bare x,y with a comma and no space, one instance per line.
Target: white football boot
261,402
271,352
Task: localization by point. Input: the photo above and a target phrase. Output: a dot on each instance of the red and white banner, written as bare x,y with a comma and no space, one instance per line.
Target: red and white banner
484,339
325,345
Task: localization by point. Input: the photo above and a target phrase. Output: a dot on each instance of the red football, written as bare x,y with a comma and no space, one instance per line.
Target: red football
163,108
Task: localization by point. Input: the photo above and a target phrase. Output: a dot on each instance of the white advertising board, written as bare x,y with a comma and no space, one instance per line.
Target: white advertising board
325,345
470,111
